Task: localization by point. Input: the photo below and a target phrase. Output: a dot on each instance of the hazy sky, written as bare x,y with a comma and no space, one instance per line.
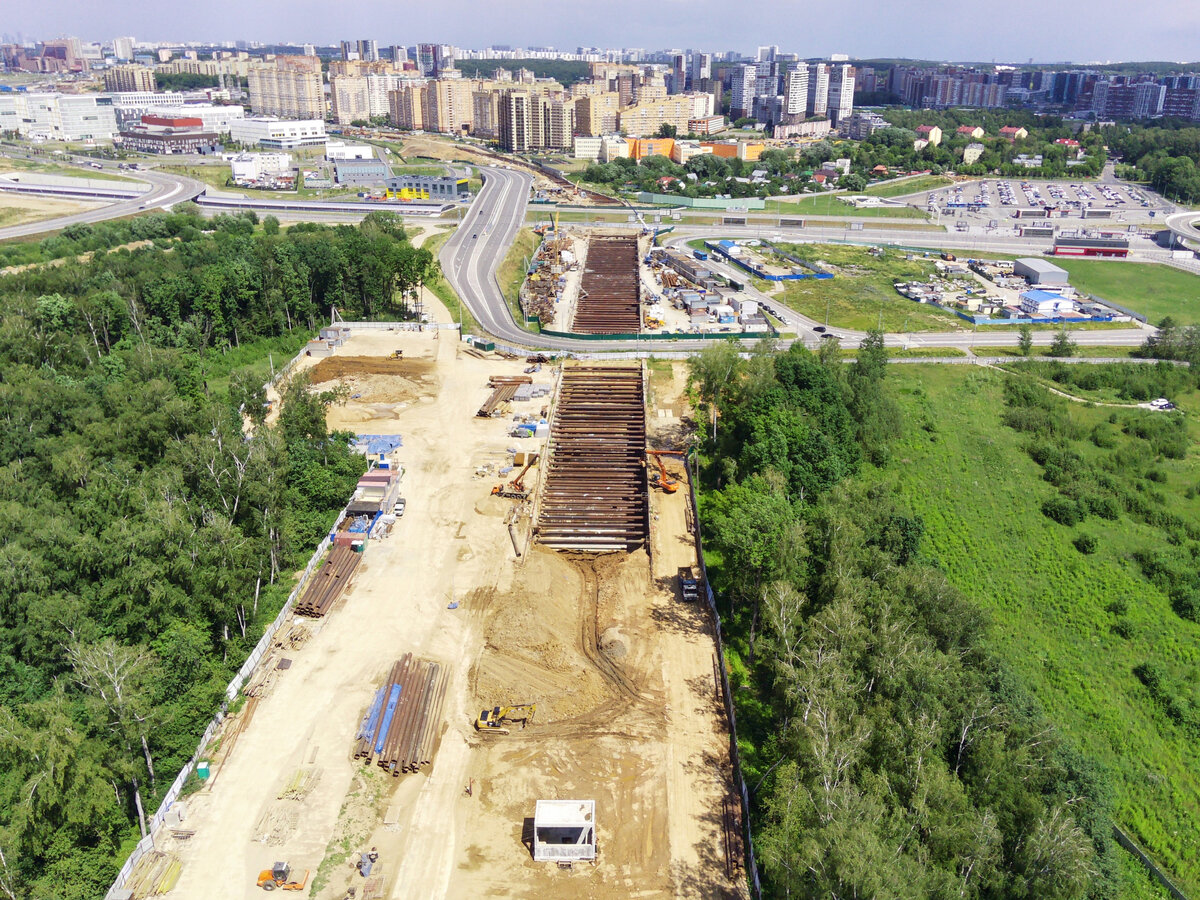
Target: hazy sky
1008,30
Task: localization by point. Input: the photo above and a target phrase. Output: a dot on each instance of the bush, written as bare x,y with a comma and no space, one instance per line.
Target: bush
1085,543
1062,510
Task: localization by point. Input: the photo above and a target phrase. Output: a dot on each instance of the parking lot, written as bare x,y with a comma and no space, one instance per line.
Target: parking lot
1016,198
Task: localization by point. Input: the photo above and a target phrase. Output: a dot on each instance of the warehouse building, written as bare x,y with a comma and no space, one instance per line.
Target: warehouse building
1040,272
1094,246
427,187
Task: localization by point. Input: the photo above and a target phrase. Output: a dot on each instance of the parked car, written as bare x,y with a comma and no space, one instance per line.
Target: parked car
398,509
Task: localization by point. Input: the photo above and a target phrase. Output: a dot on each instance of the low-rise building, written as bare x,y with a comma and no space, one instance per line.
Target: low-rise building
1013,133
707,125
278,134
340,150
971,131
931,133
861,124
1040,272
685,150
428,187
743,150
256,166
613,146
971,153
365,171
160,134
1045,303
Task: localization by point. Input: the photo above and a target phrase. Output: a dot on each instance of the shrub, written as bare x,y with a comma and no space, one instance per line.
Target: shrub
1062,510
1085,543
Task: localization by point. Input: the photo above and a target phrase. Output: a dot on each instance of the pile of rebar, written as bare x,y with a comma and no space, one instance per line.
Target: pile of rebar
595,495
403,723
610,291
328,583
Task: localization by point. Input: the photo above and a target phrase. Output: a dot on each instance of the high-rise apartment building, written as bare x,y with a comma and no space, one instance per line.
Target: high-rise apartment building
427,59
516,126
701,70
795,91
123,48
647,117
597,114
448,105
406,106
368,51
818,89
129,78
288,86
741,98
841,93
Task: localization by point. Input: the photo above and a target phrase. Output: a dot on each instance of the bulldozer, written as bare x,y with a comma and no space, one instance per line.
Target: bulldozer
662,478
397,354
280,876
493,720
515,489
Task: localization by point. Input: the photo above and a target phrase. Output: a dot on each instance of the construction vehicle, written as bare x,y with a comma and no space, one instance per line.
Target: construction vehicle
515,489
279,876
493,720
397,354
662,478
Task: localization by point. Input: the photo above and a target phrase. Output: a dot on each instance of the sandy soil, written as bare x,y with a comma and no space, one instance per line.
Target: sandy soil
621,670
18,209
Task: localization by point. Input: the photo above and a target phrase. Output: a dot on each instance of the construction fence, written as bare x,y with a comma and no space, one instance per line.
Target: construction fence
726,694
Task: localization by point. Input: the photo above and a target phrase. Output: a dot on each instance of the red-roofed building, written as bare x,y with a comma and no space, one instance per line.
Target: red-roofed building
168,134
930,133
971,131
1013,133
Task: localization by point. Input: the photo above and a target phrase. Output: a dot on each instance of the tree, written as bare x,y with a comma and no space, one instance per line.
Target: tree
1025,341
852,182
1062,345
667,130
713,371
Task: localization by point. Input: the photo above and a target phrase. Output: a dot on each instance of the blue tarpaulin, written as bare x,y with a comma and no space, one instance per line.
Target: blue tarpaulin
380,443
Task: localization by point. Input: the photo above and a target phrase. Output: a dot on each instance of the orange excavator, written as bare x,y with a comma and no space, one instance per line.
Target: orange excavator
662,478
280,876
515,489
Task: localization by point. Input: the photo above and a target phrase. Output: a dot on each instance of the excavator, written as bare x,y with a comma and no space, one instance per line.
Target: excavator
515,489
279,876
397,354
662,478
493,720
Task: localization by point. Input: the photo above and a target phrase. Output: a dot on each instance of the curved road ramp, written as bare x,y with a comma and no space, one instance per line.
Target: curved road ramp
595,493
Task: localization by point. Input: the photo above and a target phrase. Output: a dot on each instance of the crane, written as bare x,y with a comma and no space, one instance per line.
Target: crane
662,478
516,488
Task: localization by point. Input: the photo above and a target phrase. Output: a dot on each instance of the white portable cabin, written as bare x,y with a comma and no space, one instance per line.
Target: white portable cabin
564,830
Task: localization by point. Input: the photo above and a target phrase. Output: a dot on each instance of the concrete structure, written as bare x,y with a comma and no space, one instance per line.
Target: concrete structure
564,830
279,134
971,153
427,187
130,78
1040,272
289,86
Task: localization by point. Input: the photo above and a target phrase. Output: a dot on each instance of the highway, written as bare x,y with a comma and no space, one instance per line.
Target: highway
165,190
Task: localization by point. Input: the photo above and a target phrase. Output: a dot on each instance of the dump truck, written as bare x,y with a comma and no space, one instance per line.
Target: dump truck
493,720
280,876
689,584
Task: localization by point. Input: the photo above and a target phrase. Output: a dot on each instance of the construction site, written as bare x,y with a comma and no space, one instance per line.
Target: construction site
507,689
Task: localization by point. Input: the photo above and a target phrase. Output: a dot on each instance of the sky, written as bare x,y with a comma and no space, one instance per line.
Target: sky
1007,31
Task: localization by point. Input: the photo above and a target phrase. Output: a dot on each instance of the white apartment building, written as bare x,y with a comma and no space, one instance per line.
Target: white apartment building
253,166
278,134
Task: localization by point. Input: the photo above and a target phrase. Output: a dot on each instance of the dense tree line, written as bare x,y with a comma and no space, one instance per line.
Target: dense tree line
888,752
149,536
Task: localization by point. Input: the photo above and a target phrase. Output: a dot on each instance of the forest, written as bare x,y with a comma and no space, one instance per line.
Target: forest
889,751
149,536
1167,155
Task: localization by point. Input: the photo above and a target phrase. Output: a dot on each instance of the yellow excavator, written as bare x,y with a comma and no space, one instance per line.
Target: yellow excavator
397,354
280,876
493,720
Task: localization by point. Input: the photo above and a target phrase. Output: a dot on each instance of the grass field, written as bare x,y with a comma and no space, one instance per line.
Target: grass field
441,287
832,205
217,176
1155,291
1084,351
861,291
48,168
909,186
1073,626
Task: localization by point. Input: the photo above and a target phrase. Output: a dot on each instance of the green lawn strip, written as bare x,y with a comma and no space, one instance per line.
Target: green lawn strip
1086,351
8,164
908,186
980,496
511,272
442,290
833,205
1155,291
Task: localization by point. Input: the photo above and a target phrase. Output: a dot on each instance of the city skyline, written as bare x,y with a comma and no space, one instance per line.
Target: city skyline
1101,31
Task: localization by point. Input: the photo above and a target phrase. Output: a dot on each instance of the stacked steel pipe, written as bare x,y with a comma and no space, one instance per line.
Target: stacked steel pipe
610,290
328,583
403,722
595,495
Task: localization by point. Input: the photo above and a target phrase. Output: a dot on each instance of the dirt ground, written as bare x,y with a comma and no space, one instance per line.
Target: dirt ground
19,209
622,672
